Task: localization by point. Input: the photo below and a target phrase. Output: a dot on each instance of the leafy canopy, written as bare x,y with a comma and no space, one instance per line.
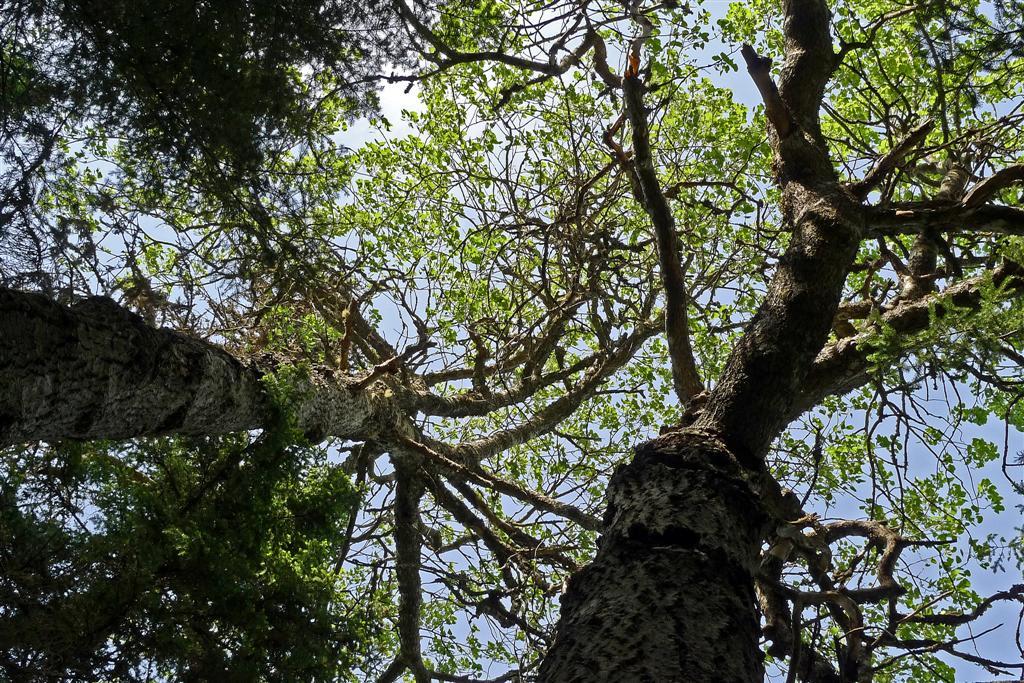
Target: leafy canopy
490,238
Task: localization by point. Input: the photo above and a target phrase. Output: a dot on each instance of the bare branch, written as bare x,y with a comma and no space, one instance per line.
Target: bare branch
987,188
470,403
611,79
509,677
502,551
1015,593
451,56
389,366
805,662
547,418
460,472
988,218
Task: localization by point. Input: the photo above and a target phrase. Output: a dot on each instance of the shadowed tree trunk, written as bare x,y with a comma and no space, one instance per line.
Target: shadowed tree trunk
670,596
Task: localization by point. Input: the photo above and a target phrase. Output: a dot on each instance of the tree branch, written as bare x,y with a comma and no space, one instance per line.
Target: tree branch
460,472
990,218
987,188
547,418
471,403
453,56
809,60
843,366
807,663
751,403
759,69
892,159
98,371
1015,593
685,377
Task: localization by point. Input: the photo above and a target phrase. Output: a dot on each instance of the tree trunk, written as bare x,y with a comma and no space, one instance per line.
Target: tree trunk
98,371
670,595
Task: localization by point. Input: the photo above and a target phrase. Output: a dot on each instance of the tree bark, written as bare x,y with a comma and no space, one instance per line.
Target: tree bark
98,371
670,595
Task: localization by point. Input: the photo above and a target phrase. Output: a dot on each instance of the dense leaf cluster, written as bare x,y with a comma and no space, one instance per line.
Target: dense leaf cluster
177,559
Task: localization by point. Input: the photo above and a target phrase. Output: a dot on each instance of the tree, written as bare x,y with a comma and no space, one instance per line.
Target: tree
466,321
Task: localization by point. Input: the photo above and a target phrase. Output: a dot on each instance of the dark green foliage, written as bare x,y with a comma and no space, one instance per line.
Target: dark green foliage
219,83
201,97
205,559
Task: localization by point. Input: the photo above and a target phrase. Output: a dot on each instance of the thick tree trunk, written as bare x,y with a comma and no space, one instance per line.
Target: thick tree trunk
670,595
97,371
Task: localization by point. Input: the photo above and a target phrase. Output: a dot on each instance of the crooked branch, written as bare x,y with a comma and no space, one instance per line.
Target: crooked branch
451,56
843,366
892,159
987,188
547,418
685,378
459,472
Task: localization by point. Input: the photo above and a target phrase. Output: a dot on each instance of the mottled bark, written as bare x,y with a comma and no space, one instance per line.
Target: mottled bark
408,492
670,595
97,371
753,400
